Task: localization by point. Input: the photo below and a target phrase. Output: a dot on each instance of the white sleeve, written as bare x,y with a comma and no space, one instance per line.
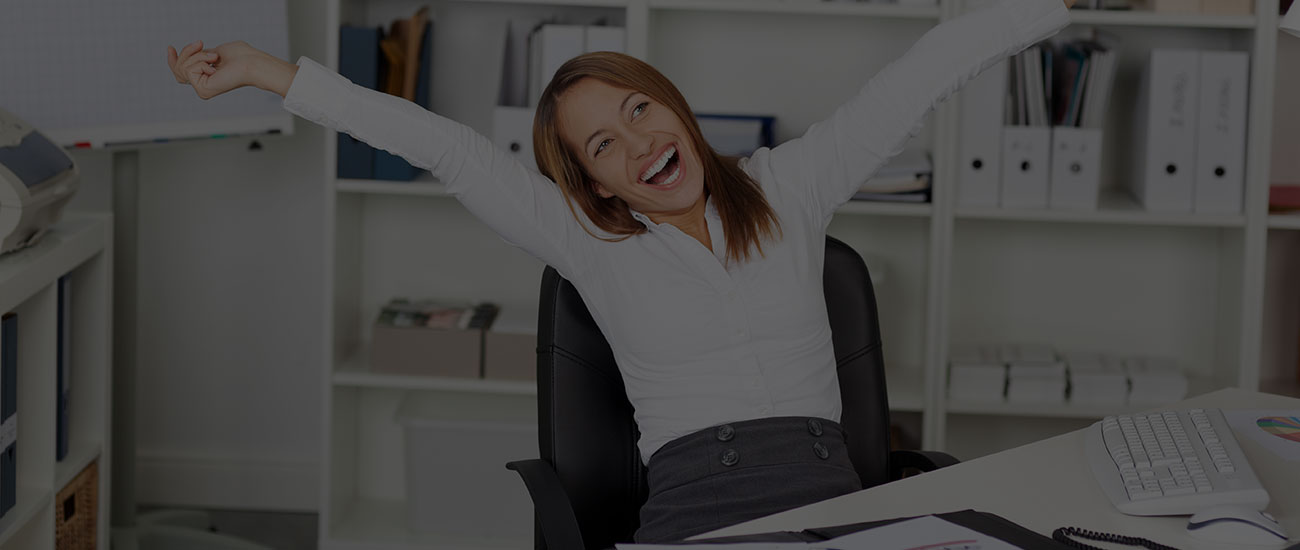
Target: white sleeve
830,162
519,203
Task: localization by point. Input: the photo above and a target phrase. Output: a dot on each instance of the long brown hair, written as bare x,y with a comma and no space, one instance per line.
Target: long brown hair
747,218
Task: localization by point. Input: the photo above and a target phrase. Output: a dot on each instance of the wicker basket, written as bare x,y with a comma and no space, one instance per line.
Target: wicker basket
76,512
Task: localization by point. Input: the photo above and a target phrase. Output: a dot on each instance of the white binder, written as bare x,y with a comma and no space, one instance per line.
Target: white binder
1221,132
1076,168
1164,162
1026,157
549,47
979,180
512,130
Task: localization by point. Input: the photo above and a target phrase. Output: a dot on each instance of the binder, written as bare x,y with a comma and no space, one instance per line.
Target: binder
63,368
979,179
549,47
1075,181
387,165
1026,159
512,131
1164,162
1221,133
8,411
358,62
984,522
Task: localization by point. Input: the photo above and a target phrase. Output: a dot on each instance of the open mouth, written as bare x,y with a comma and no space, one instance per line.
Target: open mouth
666,169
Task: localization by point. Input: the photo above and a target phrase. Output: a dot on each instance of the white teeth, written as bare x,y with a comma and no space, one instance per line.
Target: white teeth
673,177
659,164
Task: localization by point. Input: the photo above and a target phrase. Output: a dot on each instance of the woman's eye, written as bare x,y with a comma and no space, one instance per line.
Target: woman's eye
640,107
602,146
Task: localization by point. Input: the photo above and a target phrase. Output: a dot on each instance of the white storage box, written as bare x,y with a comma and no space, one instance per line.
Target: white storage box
976,374
1155,381
457,446
1097,379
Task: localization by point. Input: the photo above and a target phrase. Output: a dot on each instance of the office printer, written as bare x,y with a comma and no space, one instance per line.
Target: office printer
37,178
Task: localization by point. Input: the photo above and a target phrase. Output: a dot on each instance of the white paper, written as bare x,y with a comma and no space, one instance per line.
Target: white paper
734,546
1278,430
924,533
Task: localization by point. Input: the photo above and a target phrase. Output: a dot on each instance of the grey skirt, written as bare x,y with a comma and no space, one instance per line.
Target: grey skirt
736,472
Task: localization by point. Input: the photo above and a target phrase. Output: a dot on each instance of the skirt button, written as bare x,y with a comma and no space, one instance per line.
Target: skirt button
730,457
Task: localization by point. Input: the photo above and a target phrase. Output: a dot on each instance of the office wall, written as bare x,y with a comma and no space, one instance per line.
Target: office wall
230,299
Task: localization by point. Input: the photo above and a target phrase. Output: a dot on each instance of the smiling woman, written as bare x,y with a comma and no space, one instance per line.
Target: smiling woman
619,138
703,272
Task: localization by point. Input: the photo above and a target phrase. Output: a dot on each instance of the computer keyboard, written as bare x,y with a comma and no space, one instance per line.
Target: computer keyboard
1171,463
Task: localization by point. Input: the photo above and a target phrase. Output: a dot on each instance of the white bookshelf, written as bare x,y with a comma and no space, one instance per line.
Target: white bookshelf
1187,286
80,246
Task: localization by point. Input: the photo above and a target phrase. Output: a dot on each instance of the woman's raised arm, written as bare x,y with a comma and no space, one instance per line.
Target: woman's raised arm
832,160
522,206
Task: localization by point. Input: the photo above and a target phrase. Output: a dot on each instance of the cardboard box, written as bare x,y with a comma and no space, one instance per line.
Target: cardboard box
1228,7
426,351
510,355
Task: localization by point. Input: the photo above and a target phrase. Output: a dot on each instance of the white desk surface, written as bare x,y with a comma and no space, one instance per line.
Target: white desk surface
1045,485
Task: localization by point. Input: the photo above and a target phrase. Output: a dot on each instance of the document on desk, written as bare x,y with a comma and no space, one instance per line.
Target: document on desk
923,533
1276,429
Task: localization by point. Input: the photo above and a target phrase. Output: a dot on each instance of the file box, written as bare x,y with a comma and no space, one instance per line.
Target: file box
426,351
76,510
510,355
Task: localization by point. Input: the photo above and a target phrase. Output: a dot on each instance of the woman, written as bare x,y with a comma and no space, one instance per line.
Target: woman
703,272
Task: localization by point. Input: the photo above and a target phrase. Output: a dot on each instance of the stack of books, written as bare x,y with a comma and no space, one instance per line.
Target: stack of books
905,178
1034,374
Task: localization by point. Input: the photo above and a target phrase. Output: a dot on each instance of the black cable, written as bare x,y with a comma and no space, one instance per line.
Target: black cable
1063,534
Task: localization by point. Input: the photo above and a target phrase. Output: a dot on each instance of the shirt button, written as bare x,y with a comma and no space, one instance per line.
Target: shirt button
726,432
730,457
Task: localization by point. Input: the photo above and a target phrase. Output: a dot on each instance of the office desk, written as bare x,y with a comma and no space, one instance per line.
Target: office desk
1045,485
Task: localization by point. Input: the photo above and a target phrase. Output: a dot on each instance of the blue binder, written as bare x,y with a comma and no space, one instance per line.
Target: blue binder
8,411
358,62
387,165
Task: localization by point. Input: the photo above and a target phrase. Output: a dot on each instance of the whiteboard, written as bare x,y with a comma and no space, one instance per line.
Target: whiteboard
94,72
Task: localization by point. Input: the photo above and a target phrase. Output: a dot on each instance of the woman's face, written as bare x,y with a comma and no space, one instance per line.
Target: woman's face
633,146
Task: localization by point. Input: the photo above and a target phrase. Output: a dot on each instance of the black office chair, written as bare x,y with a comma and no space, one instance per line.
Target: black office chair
589,484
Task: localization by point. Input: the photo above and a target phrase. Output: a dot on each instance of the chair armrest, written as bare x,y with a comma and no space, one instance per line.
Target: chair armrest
925,461
554,512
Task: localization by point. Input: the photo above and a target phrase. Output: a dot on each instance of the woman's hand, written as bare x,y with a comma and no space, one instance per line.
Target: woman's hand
1068,4
229,66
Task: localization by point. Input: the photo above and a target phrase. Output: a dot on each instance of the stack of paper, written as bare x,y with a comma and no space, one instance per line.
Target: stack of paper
976,373
1154,381
1034,374
905,178
1096,379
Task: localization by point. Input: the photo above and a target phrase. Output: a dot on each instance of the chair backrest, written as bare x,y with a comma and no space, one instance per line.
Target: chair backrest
586,429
